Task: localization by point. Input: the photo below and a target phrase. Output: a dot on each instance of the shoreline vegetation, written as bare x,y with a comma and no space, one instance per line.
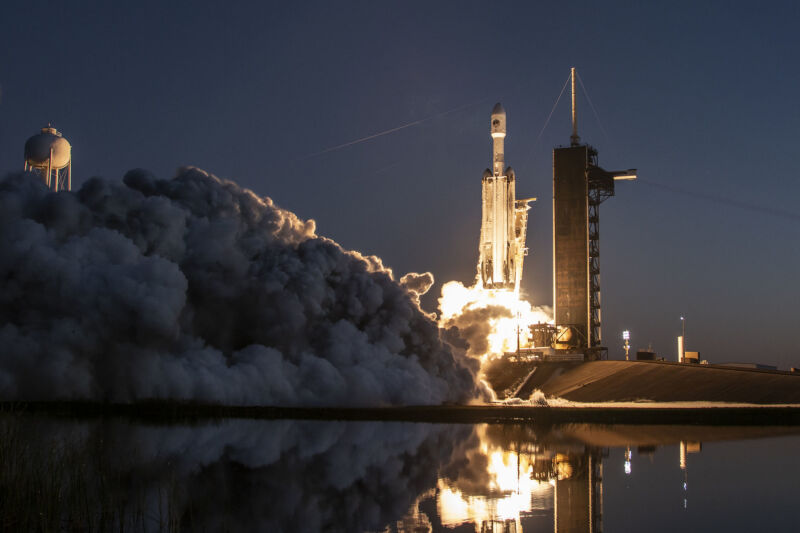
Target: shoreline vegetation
67,482
703,413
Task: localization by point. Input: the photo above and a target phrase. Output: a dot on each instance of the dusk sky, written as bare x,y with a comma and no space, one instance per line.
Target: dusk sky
701,97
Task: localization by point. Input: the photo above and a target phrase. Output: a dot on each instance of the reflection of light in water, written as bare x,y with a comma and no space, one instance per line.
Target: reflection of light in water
628,461
687,448
511,490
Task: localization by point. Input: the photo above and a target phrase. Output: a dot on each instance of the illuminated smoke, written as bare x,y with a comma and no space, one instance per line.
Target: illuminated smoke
417,284
197,289
490,321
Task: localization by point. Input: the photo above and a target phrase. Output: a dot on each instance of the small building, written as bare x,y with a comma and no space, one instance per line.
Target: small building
646,355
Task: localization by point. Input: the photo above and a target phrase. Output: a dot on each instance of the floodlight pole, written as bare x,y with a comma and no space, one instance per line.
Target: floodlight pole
683,336
626,335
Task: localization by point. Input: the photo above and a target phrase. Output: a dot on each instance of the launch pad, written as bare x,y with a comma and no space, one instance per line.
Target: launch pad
580,185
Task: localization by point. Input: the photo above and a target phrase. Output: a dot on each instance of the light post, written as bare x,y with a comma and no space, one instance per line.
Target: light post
626,336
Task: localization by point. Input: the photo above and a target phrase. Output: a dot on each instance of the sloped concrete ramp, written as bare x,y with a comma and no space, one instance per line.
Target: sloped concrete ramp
616,381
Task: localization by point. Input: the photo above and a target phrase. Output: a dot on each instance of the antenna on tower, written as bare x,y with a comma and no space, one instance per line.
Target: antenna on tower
574,140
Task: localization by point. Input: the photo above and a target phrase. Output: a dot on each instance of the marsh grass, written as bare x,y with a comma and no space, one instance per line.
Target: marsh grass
50,482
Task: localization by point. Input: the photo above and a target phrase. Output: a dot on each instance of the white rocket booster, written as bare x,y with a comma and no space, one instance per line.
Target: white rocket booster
505,219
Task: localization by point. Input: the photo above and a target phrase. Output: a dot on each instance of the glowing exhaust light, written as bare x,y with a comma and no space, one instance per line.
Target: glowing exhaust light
503,331
628,468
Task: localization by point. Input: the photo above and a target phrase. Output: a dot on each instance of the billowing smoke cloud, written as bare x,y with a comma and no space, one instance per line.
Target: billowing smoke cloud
194,288
417,284
475,326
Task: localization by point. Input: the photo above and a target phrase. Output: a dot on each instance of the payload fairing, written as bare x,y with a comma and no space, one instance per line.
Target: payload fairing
505,219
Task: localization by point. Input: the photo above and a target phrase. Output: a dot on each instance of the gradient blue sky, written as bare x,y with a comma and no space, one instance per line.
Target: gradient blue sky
701,97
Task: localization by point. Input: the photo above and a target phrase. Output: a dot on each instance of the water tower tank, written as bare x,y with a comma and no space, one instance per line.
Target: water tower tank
49,152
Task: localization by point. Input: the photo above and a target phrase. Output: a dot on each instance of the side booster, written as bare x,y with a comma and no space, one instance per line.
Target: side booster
505,219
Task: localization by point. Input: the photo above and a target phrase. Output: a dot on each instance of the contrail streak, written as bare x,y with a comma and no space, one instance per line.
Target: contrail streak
726,201
392,130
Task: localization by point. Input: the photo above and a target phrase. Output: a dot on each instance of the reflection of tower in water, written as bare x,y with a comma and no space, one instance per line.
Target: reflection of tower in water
579,493
510,483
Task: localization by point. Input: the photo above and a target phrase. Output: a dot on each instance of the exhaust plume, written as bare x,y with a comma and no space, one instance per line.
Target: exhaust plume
197,289
490,321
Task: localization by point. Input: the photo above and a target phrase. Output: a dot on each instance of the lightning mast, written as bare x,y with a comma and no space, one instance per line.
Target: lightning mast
580,185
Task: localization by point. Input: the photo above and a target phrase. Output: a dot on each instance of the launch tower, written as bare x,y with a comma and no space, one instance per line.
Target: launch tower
579,187
505,219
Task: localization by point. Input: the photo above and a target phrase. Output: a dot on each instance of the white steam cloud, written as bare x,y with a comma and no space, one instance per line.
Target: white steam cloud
197,289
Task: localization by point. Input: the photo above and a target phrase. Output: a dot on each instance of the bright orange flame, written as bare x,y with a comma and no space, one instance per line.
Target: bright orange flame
457,299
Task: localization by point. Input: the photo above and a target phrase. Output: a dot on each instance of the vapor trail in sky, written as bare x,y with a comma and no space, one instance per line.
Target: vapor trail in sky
392,130
197,289
725,201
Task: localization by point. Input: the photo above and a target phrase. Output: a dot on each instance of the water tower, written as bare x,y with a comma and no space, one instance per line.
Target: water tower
50,154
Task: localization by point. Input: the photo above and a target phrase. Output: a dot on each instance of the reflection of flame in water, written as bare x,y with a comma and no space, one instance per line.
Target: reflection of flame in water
457,299
511,490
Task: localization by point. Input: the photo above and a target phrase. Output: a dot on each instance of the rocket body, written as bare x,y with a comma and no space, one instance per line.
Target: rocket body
500,251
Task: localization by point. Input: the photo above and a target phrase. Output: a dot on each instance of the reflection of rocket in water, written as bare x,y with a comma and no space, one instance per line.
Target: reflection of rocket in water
505,219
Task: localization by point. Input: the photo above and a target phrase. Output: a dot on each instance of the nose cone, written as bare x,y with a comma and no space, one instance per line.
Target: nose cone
498,122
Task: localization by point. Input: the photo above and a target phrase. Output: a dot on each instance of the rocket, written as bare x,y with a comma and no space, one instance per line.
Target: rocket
504,218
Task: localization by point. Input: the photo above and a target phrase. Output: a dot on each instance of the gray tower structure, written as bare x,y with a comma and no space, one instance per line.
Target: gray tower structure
579,187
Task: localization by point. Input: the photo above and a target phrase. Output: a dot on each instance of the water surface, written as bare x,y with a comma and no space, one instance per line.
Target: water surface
286,475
